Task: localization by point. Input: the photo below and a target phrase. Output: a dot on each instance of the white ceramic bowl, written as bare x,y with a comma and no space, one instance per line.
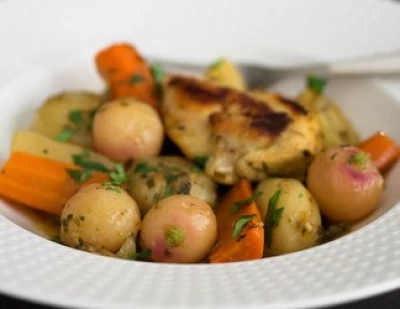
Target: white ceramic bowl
48,46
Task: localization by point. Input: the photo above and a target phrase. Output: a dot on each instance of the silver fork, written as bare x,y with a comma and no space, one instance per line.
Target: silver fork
260,76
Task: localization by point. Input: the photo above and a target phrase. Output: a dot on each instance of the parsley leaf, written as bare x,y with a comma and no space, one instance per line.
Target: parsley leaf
216,64
240,224
273,216
65,135
83,160
169,179
316,83
144,168
118,176
136,79
110,187
200,162
143,256
80,176
75,116
236,207
157,72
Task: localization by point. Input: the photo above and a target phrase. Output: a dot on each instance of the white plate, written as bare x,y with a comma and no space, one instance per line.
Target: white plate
47,46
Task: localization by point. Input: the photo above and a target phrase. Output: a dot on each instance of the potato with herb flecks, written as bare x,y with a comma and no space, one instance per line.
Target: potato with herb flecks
101,216
153,179
292,220
127,129
179,229
68,116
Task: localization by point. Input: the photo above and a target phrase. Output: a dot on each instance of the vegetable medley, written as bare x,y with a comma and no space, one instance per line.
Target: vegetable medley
183,169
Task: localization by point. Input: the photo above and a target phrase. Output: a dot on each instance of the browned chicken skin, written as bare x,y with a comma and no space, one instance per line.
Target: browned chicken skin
244,135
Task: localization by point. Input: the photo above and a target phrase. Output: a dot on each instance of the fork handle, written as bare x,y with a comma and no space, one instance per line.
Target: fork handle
372,67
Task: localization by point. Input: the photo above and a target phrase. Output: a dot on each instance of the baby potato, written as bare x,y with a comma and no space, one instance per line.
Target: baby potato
127,129
179,229
100,216
152,179
55,115
300,221
345,183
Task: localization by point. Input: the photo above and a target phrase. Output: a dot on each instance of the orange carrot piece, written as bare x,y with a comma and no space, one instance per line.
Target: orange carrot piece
249,244
40,183
28,196
126,73
382,149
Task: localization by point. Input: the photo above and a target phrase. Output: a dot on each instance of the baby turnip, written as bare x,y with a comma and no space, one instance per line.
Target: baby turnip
127,129
179,229
345,183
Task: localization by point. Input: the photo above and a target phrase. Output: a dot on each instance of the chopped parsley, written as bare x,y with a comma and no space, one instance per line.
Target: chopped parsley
143,256
157,71
316,83
236,207
83,160
111,187
88,167
80,176
216,64
273,216
65,135
75,116
240,224
118,176
136,79
200,162
144,168
169,180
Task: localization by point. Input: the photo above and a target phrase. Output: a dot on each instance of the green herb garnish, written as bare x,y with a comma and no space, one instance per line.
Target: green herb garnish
75,116
80,176
143,256
110,187
216,64
236,207
273,216
118,176
144,168
316,83
240,224
158,74
200,162
136,79
65,135
84,161
169,179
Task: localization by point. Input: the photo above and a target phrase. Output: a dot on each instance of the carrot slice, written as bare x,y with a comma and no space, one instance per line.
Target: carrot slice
41,183
126,73
382,149
234,243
